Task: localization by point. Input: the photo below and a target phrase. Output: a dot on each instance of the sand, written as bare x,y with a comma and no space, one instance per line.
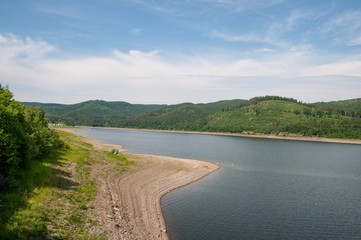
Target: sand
130,202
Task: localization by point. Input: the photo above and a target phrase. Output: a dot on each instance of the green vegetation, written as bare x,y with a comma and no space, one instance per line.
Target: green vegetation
351,108
46,190
259,115
284,117
55,196
92,113
24,137
186,116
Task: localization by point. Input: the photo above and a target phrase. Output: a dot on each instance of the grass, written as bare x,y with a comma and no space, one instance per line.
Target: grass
54,198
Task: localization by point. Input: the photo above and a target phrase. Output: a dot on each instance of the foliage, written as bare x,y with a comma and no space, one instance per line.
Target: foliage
24,136
185,116
255,100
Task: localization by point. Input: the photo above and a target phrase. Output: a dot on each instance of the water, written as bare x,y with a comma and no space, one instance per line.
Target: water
265,189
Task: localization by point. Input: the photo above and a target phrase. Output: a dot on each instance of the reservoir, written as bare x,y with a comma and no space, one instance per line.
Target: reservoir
265,188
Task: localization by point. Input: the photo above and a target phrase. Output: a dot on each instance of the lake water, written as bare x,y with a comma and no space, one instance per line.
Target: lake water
265,189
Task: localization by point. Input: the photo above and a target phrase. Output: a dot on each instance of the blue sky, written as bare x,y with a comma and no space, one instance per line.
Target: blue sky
180,51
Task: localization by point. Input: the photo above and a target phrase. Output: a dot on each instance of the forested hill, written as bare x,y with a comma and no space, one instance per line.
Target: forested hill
92,113
179,117
259,115
285,116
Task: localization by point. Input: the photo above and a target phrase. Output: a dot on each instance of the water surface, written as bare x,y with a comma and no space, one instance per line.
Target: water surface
265,189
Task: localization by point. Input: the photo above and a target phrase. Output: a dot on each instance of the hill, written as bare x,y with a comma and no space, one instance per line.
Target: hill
185,116
92,113
259,115
284,116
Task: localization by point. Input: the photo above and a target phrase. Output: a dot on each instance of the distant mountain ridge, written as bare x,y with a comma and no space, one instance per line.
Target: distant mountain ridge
259,115
93,112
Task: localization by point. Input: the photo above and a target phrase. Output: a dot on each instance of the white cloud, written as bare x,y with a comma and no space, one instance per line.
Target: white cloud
13,47
275,32
268,37
342,68
146,77
349,21
345,28
235,38
265,50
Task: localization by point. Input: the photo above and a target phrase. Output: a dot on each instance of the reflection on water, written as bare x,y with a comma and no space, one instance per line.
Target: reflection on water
265,189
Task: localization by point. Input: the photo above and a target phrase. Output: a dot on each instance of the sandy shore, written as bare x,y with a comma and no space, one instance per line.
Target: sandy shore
128,203
133,199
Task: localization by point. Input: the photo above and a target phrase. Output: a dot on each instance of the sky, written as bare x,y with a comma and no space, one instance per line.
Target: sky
168,52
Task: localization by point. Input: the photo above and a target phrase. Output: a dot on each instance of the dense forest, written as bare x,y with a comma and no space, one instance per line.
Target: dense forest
285,116
24,137
177,117
259,115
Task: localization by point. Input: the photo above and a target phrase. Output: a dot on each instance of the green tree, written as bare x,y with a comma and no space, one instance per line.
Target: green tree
24,136
14,142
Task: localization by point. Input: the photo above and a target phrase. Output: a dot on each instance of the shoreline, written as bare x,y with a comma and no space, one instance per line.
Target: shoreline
129,203
264,136
156,177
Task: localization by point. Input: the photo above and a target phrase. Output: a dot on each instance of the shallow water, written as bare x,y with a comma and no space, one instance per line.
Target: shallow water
265,189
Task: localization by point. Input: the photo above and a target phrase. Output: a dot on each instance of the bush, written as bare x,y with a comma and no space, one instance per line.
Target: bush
24,136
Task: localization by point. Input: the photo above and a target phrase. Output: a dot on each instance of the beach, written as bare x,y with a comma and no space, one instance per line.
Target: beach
128,203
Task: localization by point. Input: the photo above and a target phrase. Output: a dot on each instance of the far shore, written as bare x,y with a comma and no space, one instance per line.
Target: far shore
290,137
